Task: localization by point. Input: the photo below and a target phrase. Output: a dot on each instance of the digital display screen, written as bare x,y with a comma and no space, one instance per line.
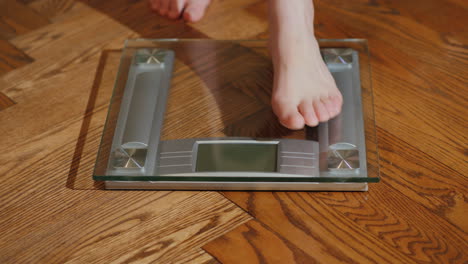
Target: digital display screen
230,157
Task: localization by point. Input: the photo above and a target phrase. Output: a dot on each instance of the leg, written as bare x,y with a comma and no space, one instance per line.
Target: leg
189,10
304,91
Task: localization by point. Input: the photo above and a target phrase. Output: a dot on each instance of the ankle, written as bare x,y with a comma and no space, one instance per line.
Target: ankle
289,47
292,17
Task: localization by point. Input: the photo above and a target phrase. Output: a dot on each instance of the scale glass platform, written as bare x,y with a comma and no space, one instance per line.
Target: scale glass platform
196,114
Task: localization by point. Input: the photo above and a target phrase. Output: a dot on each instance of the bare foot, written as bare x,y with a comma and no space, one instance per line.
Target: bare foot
304,91
189,10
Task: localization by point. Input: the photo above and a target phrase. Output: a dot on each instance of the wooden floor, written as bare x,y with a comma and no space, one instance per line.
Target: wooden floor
58,61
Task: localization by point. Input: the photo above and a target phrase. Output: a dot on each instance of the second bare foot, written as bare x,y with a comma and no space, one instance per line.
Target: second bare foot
189,10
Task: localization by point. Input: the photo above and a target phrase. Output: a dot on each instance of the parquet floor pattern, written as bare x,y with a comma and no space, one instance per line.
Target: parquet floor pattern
58,61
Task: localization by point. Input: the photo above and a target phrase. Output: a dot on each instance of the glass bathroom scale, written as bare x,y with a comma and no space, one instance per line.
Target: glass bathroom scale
196,114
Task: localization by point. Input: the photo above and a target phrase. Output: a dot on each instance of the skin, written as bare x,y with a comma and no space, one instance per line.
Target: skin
189,10
304,91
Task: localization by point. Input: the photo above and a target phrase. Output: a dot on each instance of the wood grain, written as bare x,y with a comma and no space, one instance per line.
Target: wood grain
11,57
64,57
5,101
417,213
139,18
239,23
258,244
54,10
17,18
60,102
94,226
346,227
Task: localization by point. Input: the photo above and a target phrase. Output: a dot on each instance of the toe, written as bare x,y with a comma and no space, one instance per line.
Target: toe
175,8
330,106
337,102
288,115
195,10
163,7
308,113
321,111
293,121
154,4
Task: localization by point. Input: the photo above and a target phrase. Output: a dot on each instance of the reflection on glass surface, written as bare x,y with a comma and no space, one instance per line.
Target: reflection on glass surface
170,95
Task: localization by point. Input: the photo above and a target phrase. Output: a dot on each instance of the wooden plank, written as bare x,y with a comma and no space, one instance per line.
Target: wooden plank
415,215
424,179
85,226
11,57
54,10
380,226
257,244
198,256
73,66
26,1
5,101
451,16
238,23
89,139
112,226
138,17
412,81
17,18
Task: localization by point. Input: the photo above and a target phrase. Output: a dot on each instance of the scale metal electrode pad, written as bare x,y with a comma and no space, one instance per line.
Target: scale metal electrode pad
196,114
